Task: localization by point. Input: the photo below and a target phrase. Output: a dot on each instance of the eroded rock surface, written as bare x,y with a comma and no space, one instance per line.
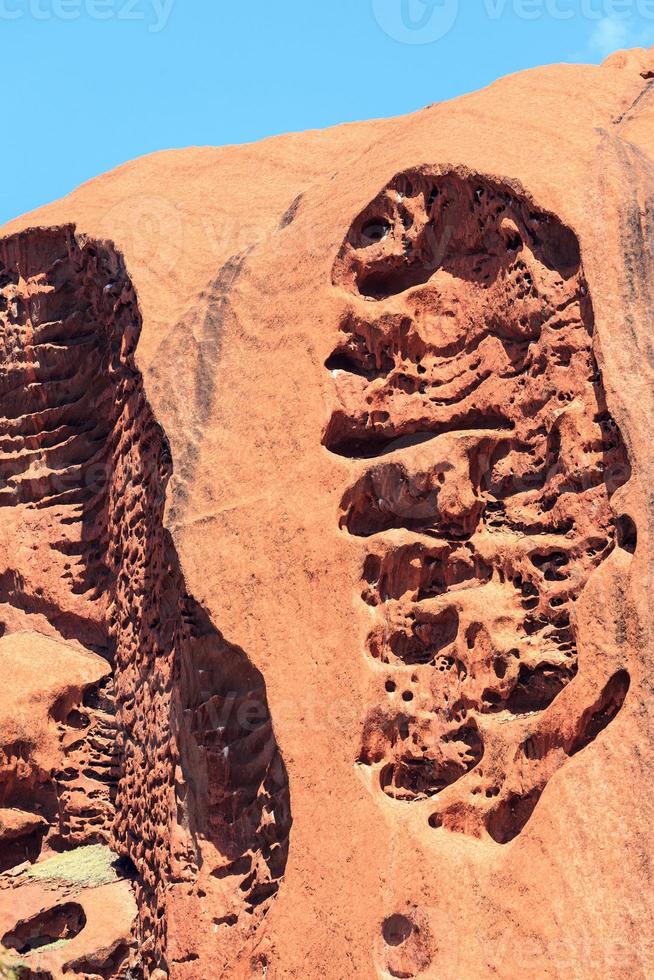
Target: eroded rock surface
472,382
326,471
153,734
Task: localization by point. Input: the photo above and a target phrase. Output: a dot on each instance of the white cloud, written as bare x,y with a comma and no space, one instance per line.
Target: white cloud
609,34
613,34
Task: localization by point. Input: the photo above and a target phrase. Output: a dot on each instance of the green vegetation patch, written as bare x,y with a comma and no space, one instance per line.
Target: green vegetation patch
11,969
89,867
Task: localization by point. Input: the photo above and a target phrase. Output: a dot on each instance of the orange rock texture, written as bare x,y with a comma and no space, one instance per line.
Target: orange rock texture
325,477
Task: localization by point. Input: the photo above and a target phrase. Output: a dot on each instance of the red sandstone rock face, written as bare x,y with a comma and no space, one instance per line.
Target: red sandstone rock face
325,551
169,756
471,380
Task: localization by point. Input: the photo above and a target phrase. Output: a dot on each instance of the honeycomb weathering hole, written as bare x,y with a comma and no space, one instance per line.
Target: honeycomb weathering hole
451,223
406,945
176,741
396,930
471,385
61,922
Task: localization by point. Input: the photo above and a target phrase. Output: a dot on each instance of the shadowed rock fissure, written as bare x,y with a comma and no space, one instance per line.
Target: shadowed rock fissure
171,758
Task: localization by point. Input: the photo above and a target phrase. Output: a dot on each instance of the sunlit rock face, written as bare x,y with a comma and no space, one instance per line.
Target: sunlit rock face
325,544
471,388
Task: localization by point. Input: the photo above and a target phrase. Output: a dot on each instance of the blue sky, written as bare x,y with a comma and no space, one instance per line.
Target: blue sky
89,84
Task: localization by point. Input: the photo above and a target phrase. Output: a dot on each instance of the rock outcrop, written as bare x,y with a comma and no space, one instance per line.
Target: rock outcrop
165,749
472,383
326,542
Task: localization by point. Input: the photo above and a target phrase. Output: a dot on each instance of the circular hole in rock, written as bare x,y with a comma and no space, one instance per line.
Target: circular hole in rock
375,231
396,929
77,719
